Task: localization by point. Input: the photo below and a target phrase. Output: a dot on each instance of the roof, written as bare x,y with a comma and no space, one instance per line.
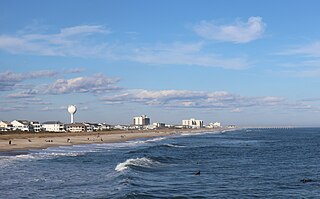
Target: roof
25,122
6,122
52,122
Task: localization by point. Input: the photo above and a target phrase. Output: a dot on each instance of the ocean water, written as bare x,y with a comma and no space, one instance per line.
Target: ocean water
247,163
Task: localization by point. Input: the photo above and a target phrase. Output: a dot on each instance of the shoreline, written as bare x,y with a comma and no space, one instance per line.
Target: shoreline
27,141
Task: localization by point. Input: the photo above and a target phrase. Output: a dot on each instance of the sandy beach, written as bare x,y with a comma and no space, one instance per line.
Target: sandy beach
25,141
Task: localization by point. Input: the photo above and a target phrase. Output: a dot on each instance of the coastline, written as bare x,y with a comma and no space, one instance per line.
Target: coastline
26,141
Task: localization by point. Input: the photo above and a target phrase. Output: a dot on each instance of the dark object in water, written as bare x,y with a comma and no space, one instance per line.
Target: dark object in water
197,173
305,180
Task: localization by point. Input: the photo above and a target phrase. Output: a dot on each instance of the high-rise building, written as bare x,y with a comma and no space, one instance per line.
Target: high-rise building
192,123
141,120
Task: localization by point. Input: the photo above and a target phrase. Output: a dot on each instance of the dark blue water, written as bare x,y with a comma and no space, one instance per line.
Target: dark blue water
238,164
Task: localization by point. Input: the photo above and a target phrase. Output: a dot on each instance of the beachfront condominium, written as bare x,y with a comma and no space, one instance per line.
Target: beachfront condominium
192,123
141,120
22,125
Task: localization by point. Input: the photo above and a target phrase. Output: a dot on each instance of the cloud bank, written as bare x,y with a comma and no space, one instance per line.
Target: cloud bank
192,99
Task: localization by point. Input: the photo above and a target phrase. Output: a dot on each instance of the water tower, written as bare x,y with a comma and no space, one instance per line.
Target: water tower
72,109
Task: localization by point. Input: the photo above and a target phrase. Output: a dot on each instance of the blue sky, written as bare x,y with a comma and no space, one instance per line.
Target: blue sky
238,62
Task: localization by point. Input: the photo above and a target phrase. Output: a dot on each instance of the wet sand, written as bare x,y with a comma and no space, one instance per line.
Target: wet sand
25,141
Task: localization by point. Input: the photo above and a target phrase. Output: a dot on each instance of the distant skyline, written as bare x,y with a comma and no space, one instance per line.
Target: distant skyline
247,63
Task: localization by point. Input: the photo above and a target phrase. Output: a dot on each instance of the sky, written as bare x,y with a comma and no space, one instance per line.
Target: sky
248,63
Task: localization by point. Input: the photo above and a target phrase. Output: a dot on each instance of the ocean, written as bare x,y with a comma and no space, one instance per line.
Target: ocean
244,163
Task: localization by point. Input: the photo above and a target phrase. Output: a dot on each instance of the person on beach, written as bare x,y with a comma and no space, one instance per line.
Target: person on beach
68,140
10,142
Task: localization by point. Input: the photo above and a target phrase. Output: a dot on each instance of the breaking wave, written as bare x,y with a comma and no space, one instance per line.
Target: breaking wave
137,162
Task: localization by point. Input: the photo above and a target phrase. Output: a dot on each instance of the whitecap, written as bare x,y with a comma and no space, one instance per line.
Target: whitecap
142,162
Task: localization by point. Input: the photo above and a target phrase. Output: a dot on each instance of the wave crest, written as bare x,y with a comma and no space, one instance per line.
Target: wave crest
139,162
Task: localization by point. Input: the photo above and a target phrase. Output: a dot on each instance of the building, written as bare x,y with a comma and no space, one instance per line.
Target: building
231,126
35,126
76,127
103,127
214,125
159,125
141,120
53,126
192,123
22,125
120,127
5,126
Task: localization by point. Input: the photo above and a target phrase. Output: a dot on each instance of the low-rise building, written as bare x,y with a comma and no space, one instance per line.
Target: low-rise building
103,127
214,125
22,125
36,126
5,126
76,127
53,126
159,125
231,126
120,127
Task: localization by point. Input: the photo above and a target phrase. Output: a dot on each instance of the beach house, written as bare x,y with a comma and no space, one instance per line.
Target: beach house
5,126
22,125
53,126
36,126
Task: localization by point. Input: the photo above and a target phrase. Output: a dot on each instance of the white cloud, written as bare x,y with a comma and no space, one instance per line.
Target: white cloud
95,84
80,41
309,50
51,108
10,80
192,99
9,76
82,30
23,94
68,42
238,32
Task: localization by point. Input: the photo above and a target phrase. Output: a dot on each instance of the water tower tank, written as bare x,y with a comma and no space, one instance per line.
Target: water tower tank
72,109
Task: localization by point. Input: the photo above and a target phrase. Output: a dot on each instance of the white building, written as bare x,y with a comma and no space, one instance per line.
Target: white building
76,127
103,127
214,125
120,127
5,126
22,125
53,126
141,120
192,123
36,126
